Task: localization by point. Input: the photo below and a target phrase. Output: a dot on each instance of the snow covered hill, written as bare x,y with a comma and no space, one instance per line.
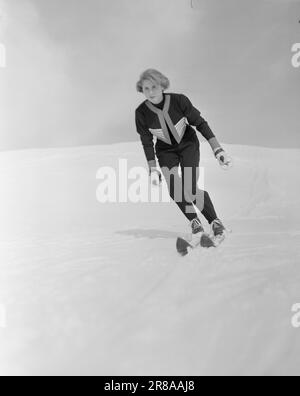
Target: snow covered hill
90,288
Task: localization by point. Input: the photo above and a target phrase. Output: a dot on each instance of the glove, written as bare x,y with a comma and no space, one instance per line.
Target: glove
155,177
224,160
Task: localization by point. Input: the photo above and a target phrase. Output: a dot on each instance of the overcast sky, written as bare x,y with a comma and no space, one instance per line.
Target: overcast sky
72,66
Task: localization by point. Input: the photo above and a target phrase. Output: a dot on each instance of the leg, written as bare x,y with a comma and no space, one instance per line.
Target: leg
169,163
189,161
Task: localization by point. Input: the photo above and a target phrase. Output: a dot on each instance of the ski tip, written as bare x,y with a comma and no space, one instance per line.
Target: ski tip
207,241
182,247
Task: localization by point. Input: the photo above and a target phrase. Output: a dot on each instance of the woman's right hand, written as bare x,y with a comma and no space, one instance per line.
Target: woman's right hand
155,177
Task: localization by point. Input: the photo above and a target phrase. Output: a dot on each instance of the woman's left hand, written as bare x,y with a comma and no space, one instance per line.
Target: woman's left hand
224,160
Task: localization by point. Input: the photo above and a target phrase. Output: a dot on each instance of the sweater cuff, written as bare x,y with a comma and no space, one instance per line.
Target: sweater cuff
214,144
152,164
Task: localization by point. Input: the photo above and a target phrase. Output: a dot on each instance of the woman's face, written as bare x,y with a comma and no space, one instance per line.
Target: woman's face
153,91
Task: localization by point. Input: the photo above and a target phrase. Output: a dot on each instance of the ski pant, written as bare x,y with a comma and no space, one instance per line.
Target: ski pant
184,190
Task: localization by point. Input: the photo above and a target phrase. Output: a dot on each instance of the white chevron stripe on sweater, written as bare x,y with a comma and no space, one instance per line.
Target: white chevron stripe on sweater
159,134
181,126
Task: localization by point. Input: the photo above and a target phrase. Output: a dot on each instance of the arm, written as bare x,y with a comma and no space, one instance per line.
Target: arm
146,139
194,118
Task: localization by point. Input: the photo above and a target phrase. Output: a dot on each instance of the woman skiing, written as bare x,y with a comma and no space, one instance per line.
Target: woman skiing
170,118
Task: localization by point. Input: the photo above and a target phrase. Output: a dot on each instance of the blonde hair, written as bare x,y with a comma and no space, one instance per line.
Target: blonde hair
154,76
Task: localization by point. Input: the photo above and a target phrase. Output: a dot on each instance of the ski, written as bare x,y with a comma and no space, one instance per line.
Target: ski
206,241
183,245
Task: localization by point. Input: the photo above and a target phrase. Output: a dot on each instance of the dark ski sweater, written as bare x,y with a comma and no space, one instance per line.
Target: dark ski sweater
170,122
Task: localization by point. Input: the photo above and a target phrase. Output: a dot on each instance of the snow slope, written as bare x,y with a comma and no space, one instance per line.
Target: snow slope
92,288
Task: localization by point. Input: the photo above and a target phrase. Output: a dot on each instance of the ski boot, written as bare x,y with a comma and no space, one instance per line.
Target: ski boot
199,237
218,231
